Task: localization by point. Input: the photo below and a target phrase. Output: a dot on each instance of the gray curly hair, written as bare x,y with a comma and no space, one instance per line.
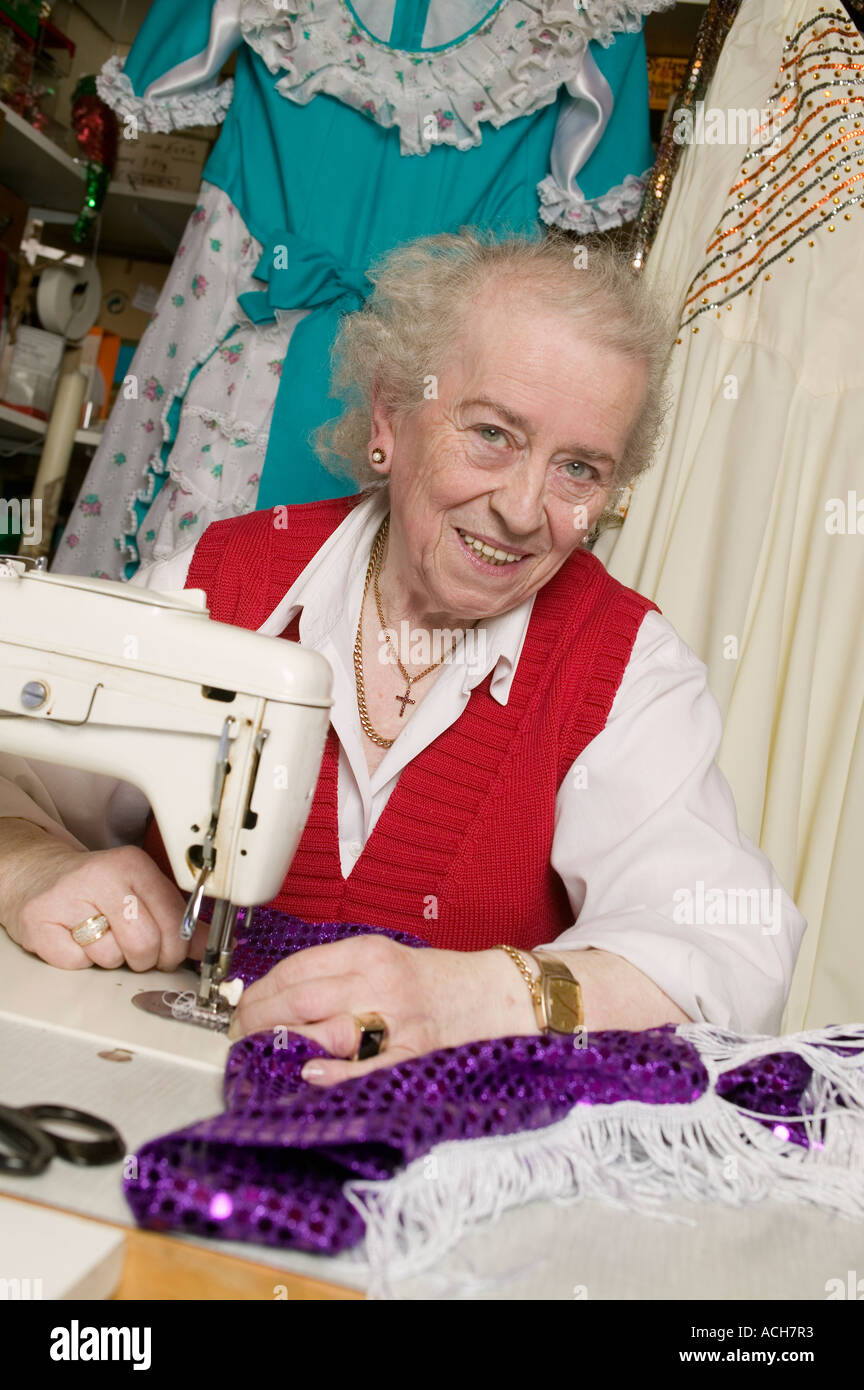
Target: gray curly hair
403,333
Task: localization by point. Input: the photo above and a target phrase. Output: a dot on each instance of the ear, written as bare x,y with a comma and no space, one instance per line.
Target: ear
381,433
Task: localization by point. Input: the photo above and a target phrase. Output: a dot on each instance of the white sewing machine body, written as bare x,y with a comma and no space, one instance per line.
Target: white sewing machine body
221,728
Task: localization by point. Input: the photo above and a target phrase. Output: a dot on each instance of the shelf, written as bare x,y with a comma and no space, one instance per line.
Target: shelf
122,27
35,167
144,223
16,427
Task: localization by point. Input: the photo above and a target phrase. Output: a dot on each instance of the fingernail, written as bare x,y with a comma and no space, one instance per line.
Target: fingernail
310,1071
235,1028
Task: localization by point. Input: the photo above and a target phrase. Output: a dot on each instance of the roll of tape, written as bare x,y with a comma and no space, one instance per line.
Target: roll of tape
69,299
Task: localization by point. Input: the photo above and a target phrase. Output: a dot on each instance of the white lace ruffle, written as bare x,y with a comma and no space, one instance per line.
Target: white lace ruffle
230,427
561,207
511,66
206,106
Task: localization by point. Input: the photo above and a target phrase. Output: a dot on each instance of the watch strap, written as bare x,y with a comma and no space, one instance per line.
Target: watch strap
555,993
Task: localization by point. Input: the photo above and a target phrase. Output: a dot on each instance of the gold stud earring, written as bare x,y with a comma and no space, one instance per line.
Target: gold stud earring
378,456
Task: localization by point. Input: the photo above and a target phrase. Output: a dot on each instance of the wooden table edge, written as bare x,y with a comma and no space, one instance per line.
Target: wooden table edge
161,1268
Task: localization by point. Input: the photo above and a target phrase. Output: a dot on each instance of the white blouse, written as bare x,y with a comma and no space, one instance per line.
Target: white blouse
646,836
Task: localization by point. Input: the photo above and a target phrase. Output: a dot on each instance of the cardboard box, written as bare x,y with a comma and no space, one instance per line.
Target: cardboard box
665,75
130,290
32,368
161,161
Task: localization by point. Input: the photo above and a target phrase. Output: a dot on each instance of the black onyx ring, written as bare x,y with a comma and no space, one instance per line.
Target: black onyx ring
373,1036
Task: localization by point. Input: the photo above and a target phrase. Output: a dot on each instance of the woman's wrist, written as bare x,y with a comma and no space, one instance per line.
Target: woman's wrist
510,1006
29,860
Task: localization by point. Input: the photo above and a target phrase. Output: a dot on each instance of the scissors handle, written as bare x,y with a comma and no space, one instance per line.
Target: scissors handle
107,1147
31,1148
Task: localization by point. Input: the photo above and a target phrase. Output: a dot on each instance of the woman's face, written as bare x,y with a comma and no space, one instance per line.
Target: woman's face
517,451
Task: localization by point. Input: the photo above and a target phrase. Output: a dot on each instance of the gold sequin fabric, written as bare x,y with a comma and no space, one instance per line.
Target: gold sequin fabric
713,29
805,183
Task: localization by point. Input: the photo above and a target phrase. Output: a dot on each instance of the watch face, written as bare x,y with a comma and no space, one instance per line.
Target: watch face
563,1005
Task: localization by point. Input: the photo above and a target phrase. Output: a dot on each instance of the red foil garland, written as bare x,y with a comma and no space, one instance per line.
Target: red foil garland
95,126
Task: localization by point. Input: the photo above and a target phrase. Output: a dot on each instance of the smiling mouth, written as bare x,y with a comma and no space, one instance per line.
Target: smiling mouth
490,554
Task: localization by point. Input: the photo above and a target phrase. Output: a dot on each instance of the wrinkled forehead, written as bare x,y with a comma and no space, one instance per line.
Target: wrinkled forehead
503,310
515,331
544,366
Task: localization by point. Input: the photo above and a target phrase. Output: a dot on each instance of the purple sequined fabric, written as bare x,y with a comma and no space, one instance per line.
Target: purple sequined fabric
271,1168
770,1086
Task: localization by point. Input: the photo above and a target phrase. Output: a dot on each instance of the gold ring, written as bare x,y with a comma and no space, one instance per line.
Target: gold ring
373,1036
93,929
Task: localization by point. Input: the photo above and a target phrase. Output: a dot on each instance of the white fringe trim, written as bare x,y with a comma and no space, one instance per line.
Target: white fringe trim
207,106
633,1156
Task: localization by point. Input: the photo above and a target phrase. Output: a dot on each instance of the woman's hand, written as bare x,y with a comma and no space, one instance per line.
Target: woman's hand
47,888
427,998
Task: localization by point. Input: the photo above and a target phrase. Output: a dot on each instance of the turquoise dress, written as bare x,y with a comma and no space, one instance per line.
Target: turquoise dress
353,128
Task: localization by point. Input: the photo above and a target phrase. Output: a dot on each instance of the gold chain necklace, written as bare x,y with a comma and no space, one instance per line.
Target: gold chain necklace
372,572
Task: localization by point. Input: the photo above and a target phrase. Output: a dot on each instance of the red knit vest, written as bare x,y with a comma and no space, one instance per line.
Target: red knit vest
460,854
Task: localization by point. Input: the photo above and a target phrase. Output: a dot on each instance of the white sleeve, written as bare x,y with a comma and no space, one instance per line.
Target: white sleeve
648,846
166,575
86,809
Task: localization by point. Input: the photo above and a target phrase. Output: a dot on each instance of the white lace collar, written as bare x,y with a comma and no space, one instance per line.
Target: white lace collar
509,63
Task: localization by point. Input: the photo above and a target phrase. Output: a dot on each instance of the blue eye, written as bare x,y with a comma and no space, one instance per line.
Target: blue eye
590,476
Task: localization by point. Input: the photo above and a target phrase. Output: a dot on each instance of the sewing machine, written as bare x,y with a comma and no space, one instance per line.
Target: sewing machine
221,728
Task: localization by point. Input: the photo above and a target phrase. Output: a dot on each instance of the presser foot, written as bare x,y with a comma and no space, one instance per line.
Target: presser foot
183,1007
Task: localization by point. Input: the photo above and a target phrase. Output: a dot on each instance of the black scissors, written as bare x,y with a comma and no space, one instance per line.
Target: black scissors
27,1146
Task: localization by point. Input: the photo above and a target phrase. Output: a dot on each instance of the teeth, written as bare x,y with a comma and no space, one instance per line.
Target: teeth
489,552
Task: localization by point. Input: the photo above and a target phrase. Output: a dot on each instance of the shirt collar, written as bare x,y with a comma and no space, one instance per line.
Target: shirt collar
328,593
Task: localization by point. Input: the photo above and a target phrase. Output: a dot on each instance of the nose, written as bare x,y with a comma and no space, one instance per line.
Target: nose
518,498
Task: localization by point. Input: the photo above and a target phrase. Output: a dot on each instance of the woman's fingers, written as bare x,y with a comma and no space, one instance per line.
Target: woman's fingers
138,940
47,923
321,1071
149,931
106,952
166,905
307,1002
367,955
365,975
52,942
143,908
339,1036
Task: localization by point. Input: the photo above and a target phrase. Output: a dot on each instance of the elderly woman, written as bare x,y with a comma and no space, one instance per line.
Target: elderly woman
521,751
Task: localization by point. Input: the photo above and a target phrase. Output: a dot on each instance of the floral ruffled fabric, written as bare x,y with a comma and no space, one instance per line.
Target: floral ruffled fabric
510,64
202,106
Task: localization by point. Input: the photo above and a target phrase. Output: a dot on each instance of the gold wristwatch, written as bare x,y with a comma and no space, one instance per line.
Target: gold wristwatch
555,993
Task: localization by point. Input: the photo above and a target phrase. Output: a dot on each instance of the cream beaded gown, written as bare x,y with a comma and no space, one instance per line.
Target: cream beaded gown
749,529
